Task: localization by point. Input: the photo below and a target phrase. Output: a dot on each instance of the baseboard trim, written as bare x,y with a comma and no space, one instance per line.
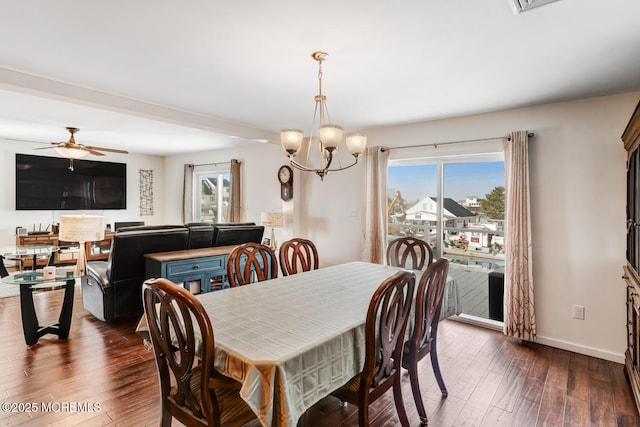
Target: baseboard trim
582,349
551,342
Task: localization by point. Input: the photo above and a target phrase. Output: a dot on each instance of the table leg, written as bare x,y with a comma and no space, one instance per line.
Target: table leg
64,321
29,317
3,269
30,324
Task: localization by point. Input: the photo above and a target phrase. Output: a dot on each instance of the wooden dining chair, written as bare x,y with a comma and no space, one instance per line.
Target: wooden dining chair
251,262
385,327
191,389
409,252
297,255
423,340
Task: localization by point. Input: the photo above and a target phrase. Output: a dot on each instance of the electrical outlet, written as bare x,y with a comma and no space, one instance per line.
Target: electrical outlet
578,312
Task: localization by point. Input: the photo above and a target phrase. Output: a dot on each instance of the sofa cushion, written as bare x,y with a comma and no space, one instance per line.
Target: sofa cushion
236,235
126,259
149,228
200,235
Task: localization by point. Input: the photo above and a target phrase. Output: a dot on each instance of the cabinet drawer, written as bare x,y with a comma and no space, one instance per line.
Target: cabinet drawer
193,265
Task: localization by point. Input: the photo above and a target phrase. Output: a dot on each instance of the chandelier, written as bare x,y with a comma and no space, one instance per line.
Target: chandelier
327,138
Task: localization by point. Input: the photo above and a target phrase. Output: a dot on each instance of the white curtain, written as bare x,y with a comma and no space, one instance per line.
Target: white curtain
187,194
519,319
374,235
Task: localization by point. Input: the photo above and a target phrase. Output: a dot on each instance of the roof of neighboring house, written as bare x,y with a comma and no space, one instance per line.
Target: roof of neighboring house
455,208
428,206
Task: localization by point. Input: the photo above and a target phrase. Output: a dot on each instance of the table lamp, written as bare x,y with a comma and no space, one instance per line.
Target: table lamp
81,229
272,219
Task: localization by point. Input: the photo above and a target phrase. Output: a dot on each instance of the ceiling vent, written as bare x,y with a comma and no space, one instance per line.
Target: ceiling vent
520,6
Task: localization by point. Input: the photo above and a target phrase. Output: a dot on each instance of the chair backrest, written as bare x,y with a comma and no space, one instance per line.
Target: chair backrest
385,328
404,249
429,296
170,311
249,261
297,255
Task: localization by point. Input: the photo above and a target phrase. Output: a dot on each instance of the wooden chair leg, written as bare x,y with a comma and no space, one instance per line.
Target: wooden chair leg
415,389
166,418
436,370
400,409
363,415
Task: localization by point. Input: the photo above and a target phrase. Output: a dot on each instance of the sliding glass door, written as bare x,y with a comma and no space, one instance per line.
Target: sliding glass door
457,205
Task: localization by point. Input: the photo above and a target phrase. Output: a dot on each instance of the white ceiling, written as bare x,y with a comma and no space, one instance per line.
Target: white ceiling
168,76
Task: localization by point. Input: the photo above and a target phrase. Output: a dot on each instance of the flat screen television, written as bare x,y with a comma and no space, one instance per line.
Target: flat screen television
46,183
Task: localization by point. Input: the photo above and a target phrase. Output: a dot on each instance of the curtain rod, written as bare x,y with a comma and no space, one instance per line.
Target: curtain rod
435,144
213,164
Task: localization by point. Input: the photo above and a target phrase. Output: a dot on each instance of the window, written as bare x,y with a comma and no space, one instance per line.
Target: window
211,194
457,205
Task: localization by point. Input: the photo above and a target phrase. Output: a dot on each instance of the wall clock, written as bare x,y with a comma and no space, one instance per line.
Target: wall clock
285,176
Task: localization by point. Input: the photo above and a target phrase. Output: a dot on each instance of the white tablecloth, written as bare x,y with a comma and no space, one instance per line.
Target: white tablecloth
293,340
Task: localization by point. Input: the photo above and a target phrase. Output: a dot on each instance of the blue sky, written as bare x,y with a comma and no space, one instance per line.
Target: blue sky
460,180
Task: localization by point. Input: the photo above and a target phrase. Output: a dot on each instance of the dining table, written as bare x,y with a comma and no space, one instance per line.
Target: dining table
292,340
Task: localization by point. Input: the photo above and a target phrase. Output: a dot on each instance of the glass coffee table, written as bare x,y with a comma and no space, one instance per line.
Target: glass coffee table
27,253
33,281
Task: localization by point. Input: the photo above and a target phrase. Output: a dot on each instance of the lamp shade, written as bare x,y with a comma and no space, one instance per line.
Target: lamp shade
356,143
81,228
291,140
330,136
272,219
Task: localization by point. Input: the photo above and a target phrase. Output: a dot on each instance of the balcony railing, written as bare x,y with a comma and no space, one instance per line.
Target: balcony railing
460,243
473,256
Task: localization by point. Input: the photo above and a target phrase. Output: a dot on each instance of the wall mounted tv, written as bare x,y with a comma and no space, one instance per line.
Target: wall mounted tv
46,183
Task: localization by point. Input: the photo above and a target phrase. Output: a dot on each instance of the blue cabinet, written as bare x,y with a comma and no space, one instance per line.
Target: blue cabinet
206,266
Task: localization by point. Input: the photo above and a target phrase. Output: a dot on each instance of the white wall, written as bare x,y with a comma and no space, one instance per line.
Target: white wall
10,218
578,207
260,189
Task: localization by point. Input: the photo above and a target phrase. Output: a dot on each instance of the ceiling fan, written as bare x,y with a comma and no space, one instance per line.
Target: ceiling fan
72,150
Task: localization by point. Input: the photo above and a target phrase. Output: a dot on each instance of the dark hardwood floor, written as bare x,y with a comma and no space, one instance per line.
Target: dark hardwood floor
492,380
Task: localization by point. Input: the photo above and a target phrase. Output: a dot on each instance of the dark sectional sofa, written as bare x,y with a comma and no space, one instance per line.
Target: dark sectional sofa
112,288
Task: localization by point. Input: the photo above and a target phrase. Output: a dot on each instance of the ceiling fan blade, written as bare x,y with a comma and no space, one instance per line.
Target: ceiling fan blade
110,150
92,151
52,145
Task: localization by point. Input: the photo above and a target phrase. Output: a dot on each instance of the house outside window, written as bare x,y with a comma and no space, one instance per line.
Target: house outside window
211,195
457,206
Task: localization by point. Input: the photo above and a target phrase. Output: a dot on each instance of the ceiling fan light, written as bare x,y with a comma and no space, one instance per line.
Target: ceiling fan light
71,153
291,140
356,143
330,136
